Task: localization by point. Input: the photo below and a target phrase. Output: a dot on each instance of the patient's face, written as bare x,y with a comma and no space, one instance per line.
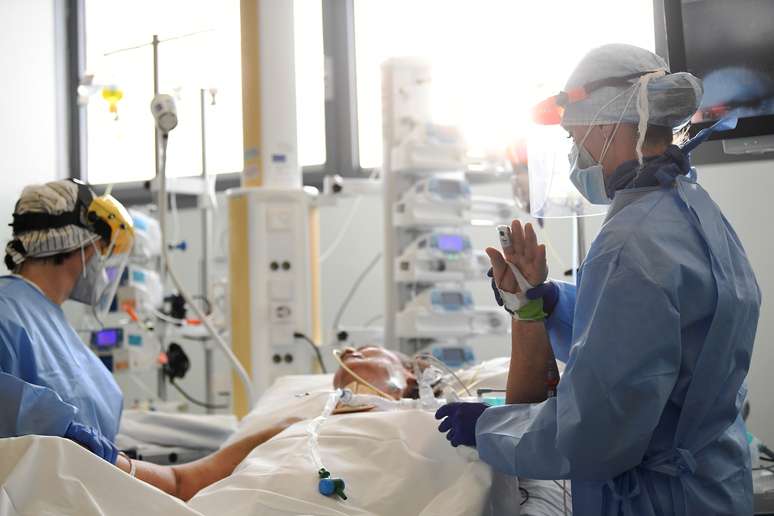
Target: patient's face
382,368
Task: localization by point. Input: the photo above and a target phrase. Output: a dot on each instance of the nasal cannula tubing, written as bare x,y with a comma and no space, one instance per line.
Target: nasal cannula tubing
337,356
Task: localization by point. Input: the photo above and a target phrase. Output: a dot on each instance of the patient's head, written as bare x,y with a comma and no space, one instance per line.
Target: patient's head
386,370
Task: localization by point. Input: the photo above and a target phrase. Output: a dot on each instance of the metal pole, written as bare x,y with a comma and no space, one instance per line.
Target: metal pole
206,213
160,325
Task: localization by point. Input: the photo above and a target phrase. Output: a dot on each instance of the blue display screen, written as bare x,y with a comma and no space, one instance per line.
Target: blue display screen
452,299
107,338
450,243
453,355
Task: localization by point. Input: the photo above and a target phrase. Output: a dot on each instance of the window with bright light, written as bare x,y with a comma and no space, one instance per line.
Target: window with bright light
200,49
492,59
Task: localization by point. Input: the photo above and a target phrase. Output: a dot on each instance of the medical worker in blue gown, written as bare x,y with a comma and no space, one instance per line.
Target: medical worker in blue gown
658,334
65,240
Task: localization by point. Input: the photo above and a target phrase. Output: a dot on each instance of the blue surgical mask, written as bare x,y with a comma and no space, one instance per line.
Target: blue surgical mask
587,176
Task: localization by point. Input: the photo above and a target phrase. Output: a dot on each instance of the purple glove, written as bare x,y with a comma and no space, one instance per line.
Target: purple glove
550,294
460,422
93,440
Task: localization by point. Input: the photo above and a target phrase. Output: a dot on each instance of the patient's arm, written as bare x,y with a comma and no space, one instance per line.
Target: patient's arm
186,480
531,361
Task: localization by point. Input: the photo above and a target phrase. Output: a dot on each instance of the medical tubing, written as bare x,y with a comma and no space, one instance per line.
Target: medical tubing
342,232
369,399
373,319
315,347
446,368
426,396
353,290
194,400
337,356
358,400
166,318
525,494
344,227
161,175
143,327
313,428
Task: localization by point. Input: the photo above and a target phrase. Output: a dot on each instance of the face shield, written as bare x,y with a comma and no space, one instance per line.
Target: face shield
101,277
551,153
551,193
111,271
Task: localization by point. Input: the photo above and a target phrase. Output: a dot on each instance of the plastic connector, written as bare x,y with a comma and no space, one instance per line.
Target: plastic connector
330,486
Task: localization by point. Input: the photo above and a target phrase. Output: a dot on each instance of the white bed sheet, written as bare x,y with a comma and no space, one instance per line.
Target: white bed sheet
393,463
50,475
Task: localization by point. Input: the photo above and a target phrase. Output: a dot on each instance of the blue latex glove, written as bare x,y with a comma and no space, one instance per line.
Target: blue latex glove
93,440
460,422
549,292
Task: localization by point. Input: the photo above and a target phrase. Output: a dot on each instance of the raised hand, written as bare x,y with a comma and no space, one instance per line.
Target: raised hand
525,254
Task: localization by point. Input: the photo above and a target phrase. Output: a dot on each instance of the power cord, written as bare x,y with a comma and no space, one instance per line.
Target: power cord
353,290
315,347
524,494
194,400
176,367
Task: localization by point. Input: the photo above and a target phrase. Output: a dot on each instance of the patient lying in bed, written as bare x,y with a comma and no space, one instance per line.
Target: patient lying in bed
392,462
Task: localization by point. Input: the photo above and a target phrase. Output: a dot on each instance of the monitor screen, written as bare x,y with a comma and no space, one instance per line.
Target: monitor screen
107,338
730,46
450,243
452,298
448,187
453,355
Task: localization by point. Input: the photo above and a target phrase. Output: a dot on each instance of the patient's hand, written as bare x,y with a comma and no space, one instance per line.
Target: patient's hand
525,254
196,475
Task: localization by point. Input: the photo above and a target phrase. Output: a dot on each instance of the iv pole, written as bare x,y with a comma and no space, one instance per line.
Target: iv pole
206,222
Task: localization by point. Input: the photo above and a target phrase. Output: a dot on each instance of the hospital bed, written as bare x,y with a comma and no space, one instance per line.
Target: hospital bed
393,463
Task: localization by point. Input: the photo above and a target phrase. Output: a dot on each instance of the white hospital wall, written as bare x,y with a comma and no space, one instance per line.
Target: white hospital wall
29,137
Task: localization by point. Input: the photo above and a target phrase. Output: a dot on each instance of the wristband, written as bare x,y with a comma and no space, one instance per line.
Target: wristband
132,466
531,311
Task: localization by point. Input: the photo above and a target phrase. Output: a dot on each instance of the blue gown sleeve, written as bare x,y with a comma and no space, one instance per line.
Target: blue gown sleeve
622,368
559,323
27,408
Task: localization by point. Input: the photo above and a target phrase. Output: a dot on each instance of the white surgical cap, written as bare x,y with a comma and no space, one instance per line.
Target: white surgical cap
672,98
52,198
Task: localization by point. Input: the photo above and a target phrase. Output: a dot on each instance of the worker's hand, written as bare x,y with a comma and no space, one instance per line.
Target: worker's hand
92,440
460,422
525,254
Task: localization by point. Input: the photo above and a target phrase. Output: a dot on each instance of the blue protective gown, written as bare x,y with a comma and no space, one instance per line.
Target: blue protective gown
48,377
657,339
